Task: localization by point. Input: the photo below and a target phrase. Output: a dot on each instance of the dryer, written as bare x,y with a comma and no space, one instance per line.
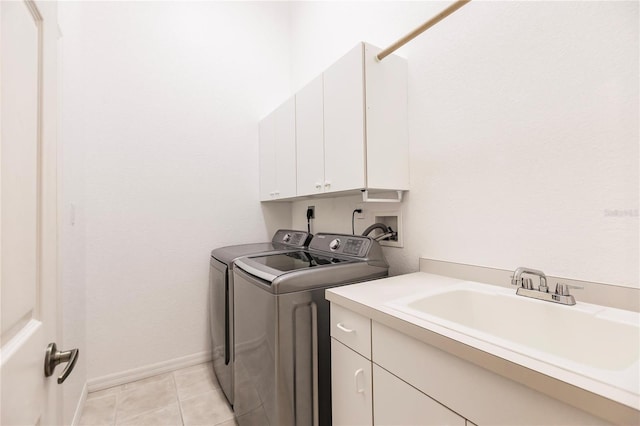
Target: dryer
221,318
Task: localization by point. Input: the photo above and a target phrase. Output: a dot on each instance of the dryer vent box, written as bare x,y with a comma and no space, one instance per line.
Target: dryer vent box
394,220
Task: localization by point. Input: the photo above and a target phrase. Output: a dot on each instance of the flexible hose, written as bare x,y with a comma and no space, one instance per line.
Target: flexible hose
378,225
385,236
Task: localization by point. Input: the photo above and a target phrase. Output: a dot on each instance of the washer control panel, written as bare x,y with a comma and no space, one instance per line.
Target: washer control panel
350,245
353,247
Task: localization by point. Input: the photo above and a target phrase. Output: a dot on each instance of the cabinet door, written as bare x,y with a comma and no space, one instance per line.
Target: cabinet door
344,138
310,138
267,156
397,403
350,387
285,135
387,121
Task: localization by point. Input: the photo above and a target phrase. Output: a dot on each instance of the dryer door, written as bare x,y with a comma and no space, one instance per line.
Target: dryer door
221,321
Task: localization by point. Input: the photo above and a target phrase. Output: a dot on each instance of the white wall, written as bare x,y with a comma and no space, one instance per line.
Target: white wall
523,131
162,103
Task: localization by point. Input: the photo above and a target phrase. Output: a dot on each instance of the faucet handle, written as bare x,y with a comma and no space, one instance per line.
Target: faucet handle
563,289
527,283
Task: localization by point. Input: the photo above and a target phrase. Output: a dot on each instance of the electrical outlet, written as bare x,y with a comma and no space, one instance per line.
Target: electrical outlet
360,215
313,212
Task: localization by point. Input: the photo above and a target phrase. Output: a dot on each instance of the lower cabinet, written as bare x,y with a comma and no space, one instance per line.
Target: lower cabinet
351,386
393,402
395,380
396,403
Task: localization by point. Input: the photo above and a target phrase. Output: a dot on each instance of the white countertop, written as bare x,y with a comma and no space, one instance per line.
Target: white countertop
370,299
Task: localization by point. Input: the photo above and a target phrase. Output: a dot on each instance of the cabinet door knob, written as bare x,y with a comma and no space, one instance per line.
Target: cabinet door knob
327,184
318,185
359,372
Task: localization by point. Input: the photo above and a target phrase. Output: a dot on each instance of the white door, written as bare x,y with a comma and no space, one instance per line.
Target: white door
28,220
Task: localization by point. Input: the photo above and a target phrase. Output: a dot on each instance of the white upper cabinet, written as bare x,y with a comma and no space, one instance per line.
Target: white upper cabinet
344,123
286,149
387,134
346,131
310,138
278,153
365,122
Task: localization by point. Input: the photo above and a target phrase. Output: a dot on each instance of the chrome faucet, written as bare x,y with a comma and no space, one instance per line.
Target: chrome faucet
525,287
516,279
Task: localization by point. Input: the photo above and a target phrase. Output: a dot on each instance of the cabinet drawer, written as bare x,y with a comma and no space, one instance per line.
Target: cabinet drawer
395,403
351,329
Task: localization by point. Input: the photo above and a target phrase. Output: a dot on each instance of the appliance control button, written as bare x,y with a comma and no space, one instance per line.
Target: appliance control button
286,238
335,244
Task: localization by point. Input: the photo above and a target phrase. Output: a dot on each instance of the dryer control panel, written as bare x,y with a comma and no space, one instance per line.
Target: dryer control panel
291,237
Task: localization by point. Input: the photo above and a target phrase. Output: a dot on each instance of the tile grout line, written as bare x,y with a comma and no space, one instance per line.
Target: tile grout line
131,417
116,416
175,385
115,407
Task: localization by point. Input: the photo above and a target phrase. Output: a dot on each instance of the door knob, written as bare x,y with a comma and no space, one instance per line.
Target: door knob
53,357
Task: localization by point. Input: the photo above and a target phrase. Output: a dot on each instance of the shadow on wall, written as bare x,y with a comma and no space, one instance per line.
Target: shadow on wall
277,215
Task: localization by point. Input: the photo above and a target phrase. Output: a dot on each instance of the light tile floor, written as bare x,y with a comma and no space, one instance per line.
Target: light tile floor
190,396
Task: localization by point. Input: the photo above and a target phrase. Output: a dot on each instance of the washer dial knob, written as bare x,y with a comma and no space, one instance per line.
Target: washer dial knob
335,244
286,238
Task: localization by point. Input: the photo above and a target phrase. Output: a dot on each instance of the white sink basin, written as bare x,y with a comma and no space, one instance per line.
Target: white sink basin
599,342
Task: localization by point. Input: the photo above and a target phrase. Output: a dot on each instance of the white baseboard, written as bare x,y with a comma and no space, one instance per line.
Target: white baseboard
80,406
140,373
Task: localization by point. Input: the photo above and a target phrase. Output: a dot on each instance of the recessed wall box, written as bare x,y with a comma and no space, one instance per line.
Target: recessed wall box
392,219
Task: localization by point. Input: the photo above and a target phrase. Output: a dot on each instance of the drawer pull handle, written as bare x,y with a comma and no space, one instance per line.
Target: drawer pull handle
343,328
359,372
